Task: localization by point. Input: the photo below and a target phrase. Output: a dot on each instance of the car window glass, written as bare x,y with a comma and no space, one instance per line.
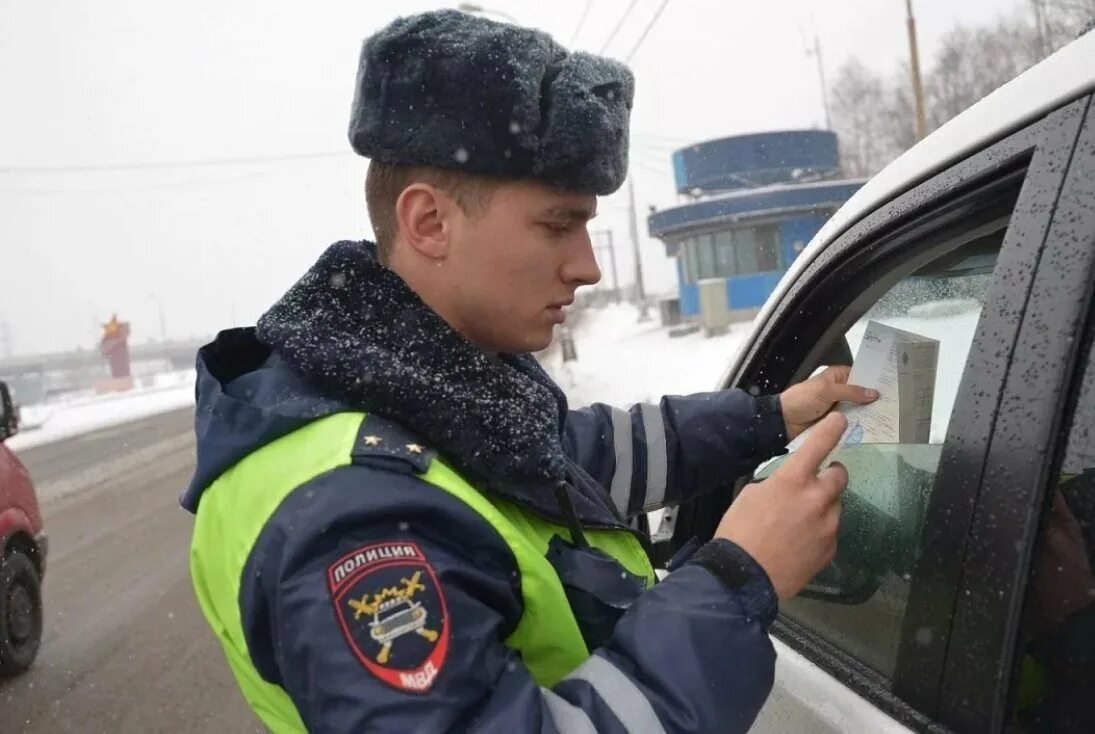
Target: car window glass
858,602
1055,665
940,306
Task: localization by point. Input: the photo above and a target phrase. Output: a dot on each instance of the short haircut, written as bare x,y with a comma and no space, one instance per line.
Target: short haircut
386,181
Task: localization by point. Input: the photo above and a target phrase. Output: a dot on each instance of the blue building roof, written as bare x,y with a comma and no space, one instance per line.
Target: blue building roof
760,159
777,199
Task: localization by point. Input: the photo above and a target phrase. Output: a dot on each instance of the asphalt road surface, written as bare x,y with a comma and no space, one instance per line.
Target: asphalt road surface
125,647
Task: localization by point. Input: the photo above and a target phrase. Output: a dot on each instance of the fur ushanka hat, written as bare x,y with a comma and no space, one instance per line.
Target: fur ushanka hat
456,91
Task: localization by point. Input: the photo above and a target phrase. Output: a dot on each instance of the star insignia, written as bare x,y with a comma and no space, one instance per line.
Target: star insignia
414,448
373,440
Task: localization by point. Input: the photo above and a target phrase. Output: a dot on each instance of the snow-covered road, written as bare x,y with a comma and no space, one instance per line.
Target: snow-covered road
56,421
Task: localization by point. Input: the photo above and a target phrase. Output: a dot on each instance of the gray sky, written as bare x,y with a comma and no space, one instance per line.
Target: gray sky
119,82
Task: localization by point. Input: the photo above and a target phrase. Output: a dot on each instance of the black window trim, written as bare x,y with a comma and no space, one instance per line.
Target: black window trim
1011,503
1036,150
929,234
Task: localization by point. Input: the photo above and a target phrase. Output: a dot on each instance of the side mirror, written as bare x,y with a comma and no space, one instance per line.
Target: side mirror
855,573
888,490
9,414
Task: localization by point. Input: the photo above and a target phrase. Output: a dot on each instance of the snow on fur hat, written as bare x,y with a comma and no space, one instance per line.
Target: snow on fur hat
456,91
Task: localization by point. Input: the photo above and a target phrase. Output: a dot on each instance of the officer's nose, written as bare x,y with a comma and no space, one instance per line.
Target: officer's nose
580,266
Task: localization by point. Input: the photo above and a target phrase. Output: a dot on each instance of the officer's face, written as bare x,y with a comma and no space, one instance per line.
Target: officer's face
518,262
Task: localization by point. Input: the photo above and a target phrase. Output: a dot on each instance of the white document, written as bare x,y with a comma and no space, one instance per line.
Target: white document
901,365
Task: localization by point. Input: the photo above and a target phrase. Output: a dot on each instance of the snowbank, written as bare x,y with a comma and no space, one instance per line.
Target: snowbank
44,424
621,361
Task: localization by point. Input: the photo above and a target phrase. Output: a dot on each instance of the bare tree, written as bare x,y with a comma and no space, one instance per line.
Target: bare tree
972,62
1060,21
900,120
874,117
860,102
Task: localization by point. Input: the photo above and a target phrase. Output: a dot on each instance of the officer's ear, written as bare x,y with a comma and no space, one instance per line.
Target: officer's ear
424,217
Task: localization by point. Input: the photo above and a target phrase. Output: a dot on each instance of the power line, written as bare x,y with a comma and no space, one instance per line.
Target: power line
656,136
656,149
635,48
655,141
661,160
581,22
640,291
619,25
141,188
160,165
652,169
662,156
665,162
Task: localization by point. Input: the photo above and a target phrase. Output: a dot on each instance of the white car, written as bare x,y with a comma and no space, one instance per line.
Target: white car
962,596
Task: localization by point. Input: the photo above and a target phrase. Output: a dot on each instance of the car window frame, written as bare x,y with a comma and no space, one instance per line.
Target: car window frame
1023,452
1038,150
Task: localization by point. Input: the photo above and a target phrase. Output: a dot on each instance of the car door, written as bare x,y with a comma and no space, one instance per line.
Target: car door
955,259
1053,665
1022,650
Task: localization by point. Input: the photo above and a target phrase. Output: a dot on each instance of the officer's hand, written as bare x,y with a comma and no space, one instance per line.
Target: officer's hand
804,403
789,523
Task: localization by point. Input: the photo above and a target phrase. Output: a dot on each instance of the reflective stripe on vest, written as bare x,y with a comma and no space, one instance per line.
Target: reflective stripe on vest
235,508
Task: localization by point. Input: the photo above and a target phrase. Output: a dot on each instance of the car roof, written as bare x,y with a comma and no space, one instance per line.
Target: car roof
1066,75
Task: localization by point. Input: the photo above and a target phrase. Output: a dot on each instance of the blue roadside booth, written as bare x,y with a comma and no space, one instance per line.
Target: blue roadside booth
753,202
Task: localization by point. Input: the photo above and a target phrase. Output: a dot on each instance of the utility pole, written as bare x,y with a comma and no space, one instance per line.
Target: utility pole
640,291
6,350
914,64
606,242
160,310
816,53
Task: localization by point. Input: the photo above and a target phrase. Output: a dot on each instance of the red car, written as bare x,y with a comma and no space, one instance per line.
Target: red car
22,553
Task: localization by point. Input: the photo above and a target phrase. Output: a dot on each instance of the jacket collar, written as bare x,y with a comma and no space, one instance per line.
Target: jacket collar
356,330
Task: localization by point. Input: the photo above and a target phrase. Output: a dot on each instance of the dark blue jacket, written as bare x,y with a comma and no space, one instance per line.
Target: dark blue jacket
692,654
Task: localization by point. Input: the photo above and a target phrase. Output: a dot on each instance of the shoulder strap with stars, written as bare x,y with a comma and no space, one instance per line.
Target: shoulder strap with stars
385,442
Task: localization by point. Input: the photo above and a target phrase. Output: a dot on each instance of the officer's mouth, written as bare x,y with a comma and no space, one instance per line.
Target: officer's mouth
556,310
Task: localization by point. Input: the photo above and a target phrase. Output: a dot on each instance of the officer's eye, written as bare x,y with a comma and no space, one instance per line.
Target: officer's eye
557,229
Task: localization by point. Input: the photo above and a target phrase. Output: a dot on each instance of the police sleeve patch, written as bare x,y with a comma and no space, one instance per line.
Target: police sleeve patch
392,613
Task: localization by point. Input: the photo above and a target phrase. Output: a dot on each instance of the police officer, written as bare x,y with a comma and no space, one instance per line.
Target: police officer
400,525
